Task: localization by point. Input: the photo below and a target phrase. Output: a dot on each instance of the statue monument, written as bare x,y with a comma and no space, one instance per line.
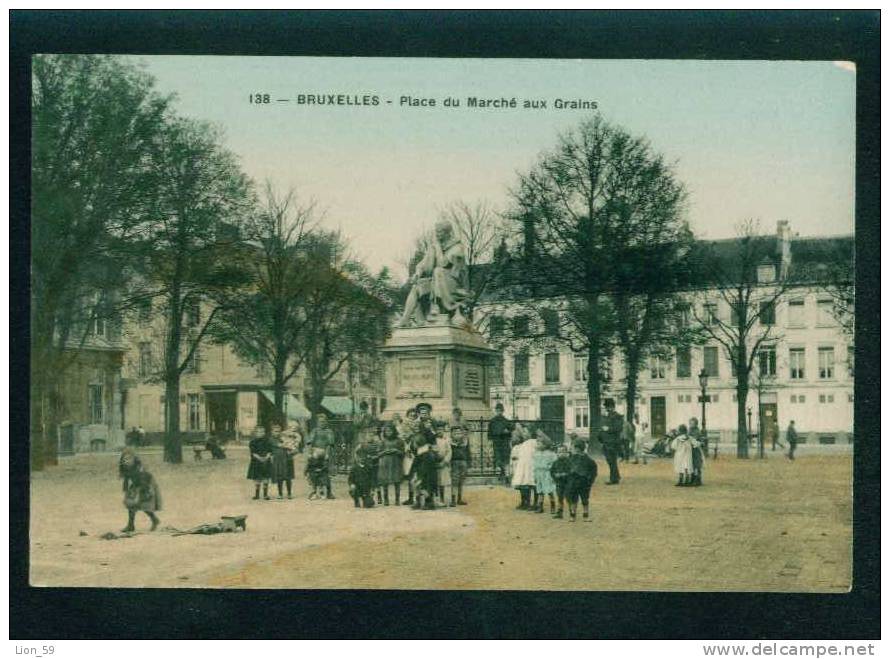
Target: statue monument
435,354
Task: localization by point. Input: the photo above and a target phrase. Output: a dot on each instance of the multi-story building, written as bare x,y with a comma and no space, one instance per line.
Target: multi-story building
220,393
804,372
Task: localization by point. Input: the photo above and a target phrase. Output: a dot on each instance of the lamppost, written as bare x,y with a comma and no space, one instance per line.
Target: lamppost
703,383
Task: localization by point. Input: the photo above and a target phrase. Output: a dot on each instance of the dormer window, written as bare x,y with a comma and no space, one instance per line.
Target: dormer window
766,273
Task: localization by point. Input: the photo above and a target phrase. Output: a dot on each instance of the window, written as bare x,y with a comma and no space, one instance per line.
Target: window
826,398
826,363
734,314
796,313
194,363
656,368
801,399
767,357
710,311
851,354
715,398
606,369
96,403
144,359
793,398
825,313
143,307
496,327
580,368
683,315
193,314
766,273
796,358
684,363
520,326
711,360
98,327
496,371
684,398
194,411
551,368
582,415
551,322
520,368
767,314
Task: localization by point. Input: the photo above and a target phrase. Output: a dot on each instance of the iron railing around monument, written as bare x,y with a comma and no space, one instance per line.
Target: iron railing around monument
482,458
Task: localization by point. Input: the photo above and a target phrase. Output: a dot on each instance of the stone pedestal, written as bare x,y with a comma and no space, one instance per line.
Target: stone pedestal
443,365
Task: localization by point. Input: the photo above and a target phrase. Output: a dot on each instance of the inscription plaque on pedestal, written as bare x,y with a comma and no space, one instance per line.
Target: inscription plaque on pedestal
471,380
418,376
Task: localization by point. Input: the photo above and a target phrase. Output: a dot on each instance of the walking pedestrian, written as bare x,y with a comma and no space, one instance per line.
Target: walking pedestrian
260,468
611,437
141,491
791,436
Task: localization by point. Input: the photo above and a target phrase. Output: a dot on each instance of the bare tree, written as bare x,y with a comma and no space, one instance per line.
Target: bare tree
601,197
478,228
730,272
263,323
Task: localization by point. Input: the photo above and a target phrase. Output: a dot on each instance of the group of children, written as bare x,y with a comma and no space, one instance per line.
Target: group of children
272,459
433,456
562,474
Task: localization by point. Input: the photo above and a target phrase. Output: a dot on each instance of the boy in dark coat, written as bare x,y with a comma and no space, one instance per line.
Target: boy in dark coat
560,470
582,474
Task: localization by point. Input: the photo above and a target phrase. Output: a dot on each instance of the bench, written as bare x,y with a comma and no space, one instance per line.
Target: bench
198,449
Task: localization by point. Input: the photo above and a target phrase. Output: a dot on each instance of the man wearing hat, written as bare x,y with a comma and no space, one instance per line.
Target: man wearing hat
611,436
499,432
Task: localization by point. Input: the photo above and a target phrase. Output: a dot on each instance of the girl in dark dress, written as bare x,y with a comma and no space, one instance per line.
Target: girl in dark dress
389,466
141,491
260,468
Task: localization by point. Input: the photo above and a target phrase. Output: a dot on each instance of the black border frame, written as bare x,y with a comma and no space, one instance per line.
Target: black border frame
68,613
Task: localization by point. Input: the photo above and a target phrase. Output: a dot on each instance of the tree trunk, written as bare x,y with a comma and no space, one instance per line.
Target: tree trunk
594,385
741,421
172,439
630,390
280,392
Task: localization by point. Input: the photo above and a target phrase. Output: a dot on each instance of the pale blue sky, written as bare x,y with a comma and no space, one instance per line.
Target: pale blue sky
769,140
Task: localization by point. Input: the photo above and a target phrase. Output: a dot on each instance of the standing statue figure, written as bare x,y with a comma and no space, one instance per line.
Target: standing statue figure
439,282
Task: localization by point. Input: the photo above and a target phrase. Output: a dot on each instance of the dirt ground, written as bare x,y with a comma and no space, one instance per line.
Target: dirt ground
770,525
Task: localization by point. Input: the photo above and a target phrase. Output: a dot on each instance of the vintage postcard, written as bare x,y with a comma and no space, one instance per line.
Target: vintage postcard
442,324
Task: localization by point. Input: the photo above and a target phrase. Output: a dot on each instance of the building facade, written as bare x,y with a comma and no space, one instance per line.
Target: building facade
804,373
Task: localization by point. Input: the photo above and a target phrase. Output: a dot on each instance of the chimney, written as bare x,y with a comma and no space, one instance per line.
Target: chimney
783,247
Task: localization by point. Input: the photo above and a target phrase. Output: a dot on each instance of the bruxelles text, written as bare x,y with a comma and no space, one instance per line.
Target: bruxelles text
473,102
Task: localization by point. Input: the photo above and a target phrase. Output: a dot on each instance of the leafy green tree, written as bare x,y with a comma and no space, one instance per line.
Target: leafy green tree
95,122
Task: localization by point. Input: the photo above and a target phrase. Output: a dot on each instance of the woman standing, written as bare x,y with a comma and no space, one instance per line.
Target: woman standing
260,468
389,466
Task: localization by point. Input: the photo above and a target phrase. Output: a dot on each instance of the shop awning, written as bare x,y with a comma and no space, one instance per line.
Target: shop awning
293,406
338,405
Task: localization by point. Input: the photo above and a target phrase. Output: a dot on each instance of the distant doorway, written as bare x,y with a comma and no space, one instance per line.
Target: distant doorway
658,416
221,414
769,417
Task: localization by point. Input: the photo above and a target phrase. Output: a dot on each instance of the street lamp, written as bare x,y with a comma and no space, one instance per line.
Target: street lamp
703,383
